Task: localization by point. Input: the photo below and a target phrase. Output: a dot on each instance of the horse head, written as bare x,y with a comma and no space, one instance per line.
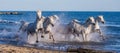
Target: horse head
39,14
75,20
53,19
90,20
101,19
39,21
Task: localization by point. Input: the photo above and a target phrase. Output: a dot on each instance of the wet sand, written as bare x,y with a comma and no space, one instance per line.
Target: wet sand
20,49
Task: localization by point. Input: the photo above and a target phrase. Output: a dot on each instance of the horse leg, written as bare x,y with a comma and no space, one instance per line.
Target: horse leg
77,35
74,34
47,32
42,35
28,36
36,37
42,31
83,36
101,35
51,36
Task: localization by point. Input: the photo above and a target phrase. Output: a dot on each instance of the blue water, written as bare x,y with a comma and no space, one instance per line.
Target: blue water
111,28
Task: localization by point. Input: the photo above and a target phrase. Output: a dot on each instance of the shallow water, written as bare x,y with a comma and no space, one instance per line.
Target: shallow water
9,25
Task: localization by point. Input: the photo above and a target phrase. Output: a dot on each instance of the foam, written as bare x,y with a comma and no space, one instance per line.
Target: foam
59,31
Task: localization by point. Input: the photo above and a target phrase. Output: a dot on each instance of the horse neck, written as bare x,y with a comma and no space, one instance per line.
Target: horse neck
77,27
77,24
46,23
86,24
89,28
96,25
38,15
96,22
51,21
35,24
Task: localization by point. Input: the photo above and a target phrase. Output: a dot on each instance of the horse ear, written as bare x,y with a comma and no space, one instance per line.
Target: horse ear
55,17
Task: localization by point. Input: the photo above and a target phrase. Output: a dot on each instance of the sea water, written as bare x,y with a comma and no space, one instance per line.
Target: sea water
9,25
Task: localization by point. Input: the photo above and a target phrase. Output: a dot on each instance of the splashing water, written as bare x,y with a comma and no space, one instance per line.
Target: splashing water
9,26
59,31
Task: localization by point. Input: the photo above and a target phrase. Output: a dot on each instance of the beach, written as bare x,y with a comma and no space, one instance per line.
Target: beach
18,49
21,49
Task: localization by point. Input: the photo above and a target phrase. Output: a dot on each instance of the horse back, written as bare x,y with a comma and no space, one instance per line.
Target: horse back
31,27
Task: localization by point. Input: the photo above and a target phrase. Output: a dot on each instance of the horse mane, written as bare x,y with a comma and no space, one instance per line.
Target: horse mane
87,21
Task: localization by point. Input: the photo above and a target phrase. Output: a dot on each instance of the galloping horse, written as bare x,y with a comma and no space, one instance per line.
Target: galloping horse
84,30
33,28
96,27
48,24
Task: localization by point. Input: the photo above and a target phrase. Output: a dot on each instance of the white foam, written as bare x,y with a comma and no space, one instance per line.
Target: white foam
60,34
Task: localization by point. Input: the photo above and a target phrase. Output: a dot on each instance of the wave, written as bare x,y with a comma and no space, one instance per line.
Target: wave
108,22
9,22
111,33
108,25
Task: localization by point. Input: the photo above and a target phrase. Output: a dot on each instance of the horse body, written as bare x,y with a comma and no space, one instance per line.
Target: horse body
96,28
78,29
39,21
89,23
39,25
33,28
74,27
48,24
23,26
84,30
97,21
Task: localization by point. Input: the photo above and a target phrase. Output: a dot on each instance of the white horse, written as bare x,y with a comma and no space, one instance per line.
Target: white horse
48,24
84,30
96,27
40,19
23,26
33,28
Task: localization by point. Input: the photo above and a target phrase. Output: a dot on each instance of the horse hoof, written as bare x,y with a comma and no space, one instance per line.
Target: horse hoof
37,41
53,41
50,38
42,36
103,39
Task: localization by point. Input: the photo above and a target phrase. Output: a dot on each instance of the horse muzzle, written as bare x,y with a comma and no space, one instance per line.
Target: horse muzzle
103,22
93,23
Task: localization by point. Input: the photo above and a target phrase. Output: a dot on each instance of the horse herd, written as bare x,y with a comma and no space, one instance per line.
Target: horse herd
45,25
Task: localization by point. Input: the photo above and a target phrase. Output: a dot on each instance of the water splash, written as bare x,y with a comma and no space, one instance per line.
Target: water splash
59,31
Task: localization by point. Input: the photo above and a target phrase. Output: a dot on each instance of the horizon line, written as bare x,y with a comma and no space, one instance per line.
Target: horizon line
70,10
67,10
